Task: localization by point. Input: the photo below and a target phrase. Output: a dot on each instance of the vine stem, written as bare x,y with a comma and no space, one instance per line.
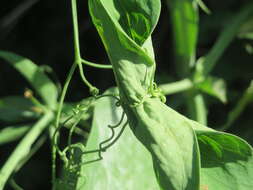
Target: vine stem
77,62
78,59
76,33
23,148
57,121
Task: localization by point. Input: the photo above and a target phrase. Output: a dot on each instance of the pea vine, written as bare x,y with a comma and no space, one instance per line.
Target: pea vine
81,109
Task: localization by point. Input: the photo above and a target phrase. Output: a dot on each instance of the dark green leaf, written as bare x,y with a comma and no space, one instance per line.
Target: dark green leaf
37,78
15,109
226,160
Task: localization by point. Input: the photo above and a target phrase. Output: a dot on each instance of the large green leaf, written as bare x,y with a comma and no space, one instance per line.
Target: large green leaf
36,77
126,165
226,160
16,109
108,19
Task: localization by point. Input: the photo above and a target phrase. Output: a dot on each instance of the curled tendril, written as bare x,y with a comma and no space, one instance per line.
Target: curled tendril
101,148
111,138
66,154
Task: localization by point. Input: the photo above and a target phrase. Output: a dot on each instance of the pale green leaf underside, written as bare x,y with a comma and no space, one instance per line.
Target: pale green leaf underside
126,165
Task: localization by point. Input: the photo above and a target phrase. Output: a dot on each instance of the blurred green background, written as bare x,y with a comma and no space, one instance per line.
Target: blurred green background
41,30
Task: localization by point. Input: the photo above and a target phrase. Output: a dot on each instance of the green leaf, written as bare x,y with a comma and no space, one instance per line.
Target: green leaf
33,74
23,148
175,159
215,87
136,18
226,160
125,165
16,109
12,133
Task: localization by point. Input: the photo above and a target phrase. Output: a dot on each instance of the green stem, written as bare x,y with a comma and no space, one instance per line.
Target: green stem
23,148
76,34
196,107
176,87
100,66
78,59
201,113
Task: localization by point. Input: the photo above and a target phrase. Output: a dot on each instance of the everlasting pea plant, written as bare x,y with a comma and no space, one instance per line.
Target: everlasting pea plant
151,146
